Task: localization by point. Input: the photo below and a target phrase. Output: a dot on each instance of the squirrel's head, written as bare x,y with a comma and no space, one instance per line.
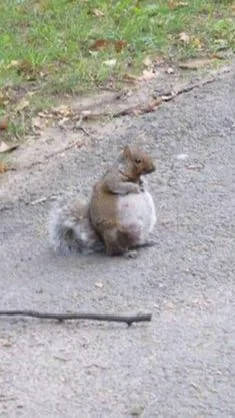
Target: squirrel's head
141,161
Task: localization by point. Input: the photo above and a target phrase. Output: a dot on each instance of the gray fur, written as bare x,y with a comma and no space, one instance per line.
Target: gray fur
70,231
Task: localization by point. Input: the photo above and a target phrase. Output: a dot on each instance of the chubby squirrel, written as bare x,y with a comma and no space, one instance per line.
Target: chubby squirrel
119,216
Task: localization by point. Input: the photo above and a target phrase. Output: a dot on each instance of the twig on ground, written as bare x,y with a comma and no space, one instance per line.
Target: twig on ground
128,319
139,109
157,101
166,97
41,200
78,125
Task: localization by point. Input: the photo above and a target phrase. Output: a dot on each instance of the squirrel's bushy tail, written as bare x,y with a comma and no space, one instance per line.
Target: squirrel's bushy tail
70,231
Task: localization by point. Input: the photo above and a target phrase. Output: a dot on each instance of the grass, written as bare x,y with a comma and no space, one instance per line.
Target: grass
45,44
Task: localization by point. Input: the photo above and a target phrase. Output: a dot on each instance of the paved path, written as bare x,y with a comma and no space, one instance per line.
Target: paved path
182,364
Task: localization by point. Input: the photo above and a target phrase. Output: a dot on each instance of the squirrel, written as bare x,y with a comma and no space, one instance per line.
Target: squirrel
119,216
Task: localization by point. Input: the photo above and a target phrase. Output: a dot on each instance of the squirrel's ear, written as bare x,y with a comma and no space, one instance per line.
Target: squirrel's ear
126,151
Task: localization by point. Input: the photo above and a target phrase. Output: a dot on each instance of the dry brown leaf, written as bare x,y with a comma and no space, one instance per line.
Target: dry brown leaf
5,343
3,167
97,13
172,4
4,147
147,75
13,64
232,8
159,60
184,37
22,104
197,43
130,78
38,124
62,122
120,45
147,62
62,110
2,97
151,106
217,56
100,44
26,68
3,124
195,64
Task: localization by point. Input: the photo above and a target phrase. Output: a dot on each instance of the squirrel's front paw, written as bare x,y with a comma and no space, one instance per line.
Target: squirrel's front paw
142,184
136,189
142,187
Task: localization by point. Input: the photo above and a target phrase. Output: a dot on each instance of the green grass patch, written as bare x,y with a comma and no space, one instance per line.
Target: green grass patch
45,44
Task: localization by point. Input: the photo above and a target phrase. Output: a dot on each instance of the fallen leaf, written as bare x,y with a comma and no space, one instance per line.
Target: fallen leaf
5,343
26,68
100,44
38,124
182,156
99,285
130,78
147,75
2,97
13,63
62,122
233,9
42,75
120,45
172,4
184,37
110,63
159,60
195,64
218,56
3,167
22,104
147,62
62,110
93,53
97,13
3,124
46,114
4,147
197,43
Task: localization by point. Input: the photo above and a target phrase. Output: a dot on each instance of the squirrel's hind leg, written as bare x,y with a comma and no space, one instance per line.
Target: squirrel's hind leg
118,241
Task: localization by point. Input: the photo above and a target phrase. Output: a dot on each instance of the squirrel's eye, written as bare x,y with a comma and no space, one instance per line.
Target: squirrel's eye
138,161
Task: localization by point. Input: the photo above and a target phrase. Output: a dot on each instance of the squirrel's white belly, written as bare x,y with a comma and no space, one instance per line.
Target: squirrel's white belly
137,210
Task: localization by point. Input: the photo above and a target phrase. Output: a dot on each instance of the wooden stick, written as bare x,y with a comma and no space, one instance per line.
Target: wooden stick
128,319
